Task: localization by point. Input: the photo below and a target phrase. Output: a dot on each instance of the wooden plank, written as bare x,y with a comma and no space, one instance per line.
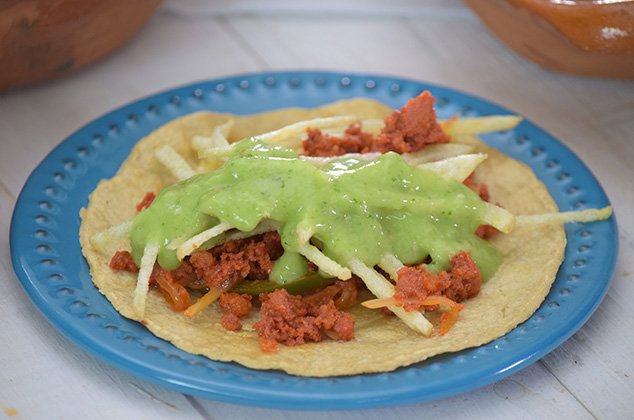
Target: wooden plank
530,393
601,352
44,376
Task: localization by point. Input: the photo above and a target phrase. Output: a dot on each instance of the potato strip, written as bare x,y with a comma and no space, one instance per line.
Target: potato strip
174,162
322,161
304,233
266,225
391,265
283,136
101,239
194,242
382,288
501,219
434,152
150,252
480,125
373,126
216,151
457,167
218,137
583,216
324,263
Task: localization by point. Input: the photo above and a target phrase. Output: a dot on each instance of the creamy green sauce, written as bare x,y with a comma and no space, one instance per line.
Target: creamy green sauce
354,208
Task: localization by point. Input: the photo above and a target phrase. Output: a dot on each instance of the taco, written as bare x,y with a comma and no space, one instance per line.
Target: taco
338,208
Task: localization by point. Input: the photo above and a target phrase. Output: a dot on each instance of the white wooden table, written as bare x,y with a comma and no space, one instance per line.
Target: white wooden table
590,376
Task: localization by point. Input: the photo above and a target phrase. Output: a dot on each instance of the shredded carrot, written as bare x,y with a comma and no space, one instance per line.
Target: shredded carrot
441,300
448,318
380,303
208,298
446,124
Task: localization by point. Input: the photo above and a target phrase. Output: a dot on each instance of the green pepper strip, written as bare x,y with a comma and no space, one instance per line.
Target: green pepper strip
303,284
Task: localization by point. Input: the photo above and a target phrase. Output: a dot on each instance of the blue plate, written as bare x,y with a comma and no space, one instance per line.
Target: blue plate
48,261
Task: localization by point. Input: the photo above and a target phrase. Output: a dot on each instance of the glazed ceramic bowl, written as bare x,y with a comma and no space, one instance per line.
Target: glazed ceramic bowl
45,39
584,37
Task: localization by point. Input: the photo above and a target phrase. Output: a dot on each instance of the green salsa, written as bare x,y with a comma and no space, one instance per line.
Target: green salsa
352,209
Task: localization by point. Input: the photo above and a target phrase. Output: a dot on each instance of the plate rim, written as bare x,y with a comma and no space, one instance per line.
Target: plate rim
299,400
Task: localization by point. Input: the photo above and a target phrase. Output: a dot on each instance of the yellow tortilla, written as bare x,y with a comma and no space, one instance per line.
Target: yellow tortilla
532,257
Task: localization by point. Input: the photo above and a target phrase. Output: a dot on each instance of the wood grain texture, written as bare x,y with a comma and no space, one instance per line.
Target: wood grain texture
44,376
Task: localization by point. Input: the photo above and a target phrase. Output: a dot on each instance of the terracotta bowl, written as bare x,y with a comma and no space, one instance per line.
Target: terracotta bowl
44,39
584,37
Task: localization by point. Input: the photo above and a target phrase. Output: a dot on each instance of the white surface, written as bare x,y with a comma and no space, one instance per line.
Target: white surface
43,376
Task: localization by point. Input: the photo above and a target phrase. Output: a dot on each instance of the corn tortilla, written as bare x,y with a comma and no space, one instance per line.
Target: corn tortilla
532,257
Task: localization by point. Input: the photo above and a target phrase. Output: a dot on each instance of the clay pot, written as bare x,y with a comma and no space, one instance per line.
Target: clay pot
45,39
588,38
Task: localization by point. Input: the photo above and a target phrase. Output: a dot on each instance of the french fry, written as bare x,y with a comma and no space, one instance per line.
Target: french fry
324,263
288,136
304,233
382,288
266,225
373,126
391,265
435,152
218,151
584,216
479,125
101,239
216,141
194,242
174,162
432,153
176,242
150,253
218,137
457,167
501,219
322,161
